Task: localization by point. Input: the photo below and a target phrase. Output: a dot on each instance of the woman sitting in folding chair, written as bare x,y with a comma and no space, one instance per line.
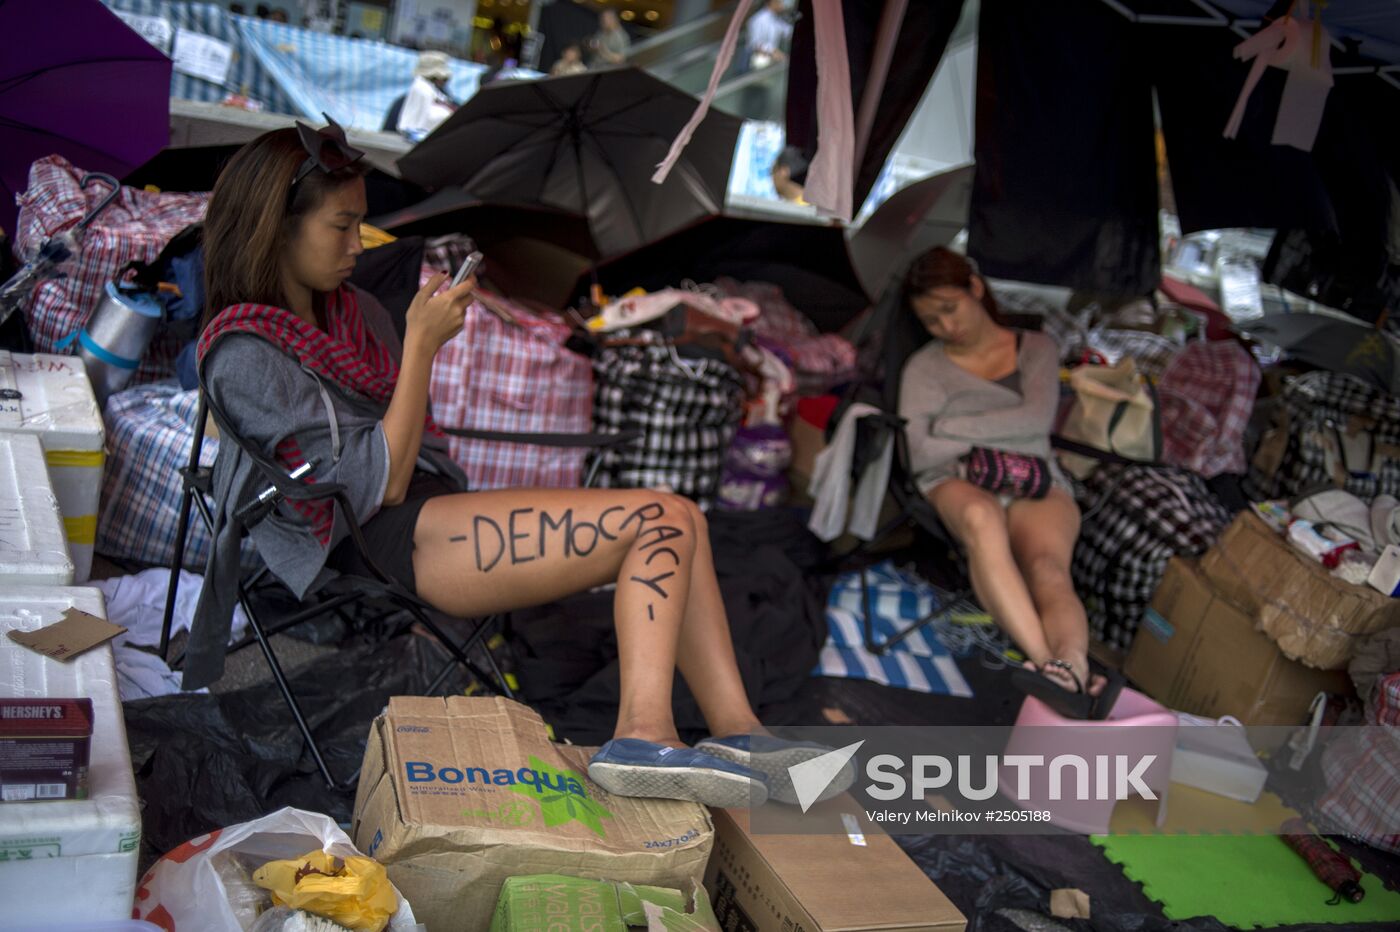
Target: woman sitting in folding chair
289,363
980,402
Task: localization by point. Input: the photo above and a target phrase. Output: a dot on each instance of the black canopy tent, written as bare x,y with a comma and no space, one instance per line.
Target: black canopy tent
1066,169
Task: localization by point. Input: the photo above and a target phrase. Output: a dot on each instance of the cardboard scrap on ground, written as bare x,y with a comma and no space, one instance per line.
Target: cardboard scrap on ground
1069,903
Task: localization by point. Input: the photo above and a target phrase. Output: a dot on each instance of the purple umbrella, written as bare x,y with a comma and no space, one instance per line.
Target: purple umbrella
77,82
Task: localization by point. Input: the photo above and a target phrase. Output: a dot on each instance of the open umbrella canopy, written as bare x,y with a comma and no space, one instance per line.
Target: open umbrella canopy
915,219
586,144
78,82
809,261
533,253
1332,343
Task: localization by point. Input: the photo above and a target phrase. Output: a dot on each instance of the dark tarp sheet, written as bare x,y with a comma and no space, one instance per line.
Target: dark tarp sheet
1066,185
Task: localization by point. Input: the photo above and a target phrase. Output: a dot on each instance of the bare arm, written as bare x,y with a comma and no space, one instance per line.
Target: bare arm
432,320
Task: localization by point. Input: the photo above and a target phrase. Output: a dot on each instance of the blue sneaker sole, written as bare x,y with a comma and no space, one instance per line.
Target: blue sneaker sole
697,784
774,765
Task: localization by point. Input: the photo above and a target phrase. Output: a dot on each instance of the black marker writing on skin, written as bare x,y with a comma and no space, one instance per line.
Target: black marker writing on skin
575,537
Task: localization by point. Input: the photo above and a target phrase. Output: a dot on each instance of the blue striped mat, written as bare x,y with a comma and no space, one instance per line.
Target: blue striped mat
920,662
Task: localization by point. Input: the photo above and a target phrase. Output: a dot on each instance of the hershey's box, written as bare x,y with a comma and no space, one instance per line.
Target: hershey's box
44,748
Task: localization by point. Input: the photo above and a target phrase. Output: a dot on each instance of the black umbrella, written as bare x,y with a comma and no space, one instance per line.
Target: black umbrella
809,261
914,219
532,253
585,144
1332,343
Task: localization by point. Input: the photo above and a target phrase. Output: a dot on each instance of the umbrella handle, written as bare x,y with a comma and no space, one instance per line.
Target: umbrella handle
102,205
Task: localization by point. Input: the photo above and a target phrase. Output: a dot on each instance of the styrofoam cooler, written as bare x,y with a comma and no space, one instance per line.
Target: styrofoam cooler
56,404
32,547
68,861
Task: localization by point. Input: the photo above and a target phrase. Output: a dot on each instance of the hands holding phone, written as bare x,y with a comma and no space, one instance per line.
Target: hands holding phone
434,318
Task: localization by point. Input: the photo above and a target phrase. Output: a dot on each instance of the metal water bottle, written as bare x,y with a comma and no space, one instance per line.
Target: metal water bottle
115,338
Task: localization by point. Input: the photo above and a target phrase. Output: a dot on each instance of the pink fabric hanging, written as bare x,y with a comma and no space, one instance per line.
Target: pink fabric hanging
722,60
1281,44
829,178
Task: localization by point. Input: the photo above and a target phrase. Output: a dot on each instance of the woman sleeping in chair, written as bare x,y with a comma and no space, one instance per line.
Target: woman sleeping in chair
980,400
293,359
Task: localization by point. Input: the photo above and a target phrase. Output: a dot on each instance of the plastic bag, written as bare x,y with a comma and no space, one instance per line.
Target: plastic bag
190,888
354,892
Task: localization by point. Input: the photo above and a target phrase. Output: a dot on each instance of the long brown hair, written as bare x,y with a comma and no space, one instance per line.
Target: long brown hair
251,218
940,267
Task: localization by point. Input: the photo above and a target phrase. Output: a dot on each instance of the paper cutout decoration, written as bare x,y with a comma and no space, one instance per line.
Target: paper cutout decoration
1309,67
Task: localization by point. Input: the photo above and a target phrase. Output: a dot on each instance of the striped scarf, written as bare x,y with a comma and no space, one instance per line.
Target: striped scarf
345,354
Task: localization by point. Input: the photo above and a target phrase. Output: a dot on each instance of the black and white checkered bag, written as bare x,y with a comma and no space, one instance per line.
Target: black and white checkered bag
686,409
1334,429
1136,519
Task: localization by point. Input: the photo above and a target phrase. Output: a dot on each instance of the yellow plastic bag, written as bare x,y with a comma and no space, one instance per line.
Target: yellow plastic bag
354,892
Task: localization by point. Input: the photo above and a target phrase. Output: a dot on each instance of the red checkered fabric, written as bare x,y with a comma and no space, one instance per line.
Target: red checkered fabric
1387,700
345,353
134,227
521,379
819,361
1207,395
1362,770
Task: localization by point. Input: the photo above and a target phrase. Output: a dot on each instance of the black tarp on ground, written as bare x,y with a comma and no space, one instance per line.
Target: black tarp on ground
1066,185
923,36
203,760
567,652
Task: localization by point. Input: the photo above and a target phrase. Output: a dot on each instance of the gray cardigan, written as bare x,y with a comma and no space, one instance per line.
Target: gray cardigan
949,410
268,396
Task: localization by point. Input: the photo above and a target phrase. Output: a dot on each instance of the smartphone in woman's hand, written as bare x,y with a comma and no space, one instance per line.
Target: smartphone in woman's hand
469,265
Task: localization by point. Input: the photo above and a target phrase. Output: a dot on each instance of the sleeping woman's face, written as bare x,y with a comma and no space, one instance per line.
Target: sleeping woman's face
321,255
951,314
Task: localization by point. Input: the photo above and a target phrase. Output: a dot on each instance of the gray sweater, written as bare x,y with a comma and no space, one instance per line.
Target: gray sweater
268,396
949,410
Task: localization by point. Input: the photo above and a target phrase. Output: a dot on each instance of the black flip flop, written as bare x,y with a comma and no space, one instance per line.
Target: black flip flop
1077,704
1113,683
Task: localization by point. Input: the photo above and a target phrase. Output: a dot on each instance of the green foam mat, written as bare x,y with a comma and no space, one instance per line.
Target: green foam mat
1242,880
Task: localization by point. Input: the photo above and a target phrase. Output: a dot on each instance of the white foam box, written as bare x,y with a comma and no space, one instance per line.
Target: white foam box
32,546
68,861
51,398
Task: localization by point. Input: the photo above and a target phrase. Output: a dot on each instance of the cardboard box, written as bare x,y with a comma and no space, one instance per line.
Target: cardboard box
807,441
820,883
555,903
1196,651
44,749
1312,615
458,794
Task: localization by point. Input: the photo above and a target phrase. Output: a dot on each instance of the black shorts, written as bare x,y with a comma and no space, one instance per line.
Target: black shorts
389,534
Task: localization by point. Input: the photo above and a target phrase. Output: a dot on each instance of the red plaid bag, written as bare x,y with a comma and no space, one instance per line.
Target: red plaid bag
1387,699
521,379
1362,770
1207,395
134,227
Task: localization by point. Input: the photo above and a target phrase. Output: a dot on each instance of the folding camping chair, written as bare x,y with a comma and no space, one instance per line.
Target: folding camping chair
345,590
901,336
